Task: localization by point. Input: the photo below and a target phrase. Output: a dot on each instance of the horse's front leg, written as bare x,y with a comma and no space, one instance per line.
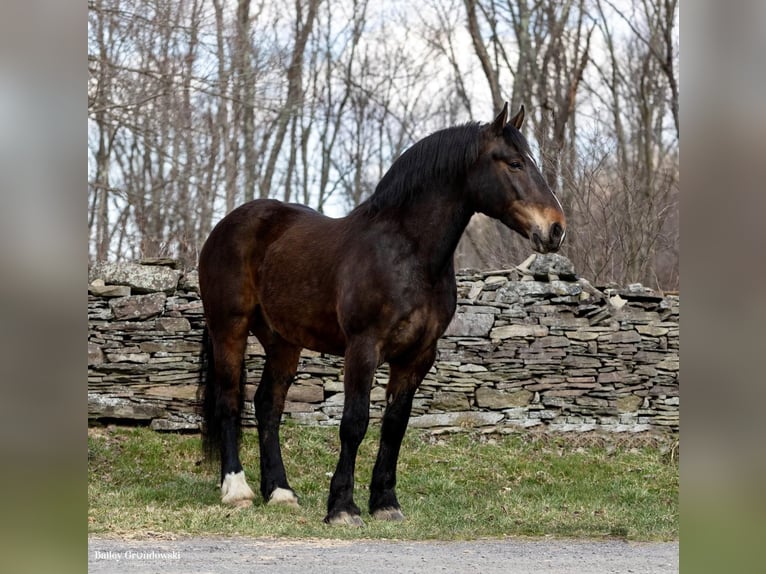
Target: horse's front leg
404,381
361,360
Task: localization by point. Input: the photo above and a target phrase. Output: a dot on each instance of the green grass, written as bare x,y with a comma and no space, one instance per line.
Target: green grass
461,486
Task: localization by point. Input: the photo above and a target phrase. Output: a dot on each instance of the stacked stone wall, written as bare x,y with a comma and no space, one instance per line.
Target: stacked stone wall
532,346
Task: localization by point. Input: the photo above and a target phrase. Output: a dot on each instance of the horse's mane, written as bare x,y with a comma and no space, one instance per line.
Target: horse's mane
439,158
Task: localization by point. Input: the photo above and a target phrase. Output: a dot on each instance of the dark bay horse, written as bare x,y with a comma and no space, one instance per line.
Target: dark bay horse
376,286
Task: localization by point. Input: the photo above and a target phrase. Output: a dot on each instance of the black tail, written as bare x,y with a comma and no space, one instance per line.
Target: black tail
208,394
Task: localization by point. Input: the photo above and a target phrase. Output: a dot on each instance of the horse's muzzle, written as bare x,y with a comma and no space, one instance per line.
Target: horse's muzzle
548,241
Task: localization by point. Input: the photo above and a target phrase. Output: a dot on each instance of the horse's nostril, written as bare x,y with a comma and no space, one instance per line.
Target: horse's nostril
556,233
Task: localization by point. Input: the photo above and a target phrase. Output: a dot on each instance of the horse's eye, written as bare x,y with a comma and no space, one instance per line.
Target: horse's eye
516,165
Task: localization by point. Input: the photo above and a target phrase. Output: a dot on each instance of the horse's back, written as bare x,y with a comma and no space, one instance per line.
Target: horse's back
231,260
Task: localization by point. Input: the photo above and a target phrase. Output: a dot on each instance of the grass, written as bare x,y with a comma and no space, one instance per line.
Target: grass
462,486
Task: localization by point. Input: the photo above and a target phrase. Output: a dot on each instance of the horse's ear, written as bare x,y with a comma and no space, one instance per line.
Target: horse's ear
500,120
518,119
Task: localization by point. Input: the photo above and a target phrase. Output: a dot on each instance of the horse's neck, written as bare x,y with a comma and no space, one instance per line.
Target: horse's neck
435,228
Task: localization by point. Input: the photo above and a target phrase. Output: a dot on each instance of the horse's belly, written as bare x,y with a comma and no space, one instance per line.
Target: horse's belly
300,311
314,331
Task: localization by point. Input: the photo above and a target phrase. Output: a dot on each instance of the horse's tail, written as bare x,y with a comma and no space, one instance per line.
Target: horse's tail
208,396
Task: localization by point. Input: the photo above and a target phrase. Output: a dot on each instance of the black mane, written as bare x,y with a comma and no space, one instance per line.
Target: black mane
439,158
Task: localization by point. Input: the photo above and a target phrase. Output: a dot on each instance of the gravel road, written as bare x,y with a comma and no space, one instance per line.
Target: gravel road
510,556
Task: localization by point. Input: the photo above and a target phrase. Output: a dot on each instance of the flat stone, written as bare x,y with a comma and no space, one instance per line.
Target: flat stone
472,368
95,354
518,331
564,393
581,362
190,281
552,264
191,347
104,406
336,399
645,371
464,419
639,293
320,370
173,425
108,290
333,386
561,321
138,307
475,290
649,357
128,357
629,403
551,400
668,364
173,324
611,377
582,335
378,394
551,341
175,377
591,402
298,407
305,393
448,401
652,330
140,278
494,280
487,397
185,392
625,337
583,382
470,325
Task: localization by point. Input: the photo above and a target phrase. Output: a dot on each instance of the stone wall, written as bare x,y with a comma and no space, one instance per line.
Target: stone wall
532,346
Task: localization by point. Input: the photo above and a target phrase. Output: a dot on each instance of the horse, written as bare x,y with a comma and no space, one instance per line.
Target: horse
376,286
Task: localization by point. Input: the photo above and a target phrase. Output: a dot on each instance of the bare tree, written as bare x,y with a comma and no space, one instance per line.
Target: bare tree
195,107
294,72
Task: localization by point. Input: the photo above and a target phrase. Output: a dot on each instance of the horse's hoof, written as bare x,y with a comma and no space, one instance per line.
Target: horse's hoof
283,496
235,491
345,519
391,514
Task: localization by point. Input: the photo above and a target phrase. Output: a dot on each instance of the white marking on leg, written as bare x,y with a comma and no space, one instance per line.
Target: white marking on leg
283,496
235,490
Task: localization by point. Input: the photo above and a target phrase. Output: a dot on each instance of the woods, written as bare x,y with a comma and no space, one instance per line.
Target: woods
195,107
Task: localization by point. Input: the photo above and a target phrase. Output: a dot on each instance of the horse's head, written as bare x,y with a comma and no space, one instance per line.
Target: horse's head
506,184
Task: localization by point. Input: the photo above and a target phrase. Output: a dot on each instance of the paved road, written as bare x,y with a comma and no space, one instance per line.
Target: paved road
511,556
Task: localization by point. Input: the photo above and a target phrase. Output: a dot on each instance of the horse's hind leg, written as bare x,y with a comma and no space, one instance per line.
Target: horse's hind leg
403,382
228,355
269,401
